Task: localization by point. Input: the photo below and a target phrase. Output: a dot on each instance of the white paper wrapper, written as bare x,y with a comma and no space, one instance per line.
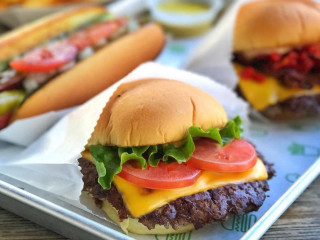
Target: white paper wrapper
50,163
24,132
212,56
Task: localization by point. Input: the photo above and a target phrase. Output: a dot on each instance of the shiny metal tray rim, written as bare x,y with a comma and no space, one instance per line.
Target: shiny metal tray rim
81,227
70,222
282,203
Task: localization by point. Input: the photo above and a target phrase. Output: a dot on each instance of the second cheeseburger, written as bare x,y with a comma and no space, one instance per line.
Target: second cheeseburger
277,57
163,158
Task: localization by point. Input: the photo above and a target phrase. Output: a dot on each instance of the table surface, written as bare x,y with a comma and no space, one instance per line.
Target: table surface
300,221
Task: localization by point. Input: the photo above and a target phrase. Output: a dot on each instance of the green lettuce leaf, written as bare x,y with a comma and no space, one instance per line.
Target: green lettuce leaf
107,163
134,153
109,160
232,130
183,152
155,154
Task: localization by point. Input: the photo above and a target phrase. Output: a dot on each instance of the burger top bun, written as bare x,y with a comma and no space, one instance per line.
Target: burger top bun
276,23
155,111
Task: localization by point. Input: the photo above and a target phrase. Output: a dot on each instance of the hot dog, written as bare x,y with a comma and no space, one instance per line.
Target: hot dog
67,58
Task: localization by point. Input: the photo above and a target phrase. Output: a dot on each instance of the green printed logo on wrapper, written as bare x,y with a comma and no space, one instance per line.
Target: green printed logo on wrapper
177,236
304,128
292,177
177,48
303,150
240,223
258,132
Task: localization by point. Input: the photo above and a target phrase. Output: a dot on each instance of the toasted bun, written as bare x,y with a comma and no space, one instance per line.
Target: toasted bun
276,23
93,75
155,111
134,226
33,34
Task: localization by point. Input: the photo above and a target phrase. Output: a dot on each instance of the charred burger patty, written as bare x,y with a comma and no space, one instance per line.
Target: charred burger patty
294,107
214,205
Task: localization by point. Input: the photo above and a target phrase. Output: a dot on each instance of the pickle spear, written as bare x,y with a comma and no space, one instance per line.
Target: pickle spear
10,100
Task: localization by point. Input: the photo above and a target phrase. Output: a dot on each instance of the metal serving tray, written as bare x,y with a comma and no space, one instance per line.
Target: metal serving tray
53,213
49,211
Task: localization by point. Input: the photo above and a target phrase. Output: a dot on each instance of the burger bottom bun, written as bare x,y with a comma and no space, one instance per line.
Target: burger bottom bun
134,226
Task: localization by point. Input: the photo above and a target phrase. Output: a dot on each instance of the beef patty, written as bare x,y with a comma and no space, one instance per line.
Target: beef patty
296,107
214,205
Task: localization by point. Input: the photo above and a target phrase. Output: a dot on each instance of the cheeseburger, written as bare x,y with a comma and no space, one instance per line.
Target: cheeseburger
163,158
277,57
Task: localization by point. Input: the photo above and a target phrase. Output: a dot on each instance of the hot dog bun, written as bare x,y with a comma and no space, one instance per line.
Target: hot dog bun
91,76
276,23
33,34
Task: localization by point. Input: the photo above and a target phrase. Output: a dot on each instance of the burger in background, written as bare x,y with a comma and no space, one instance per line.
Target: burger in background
277,57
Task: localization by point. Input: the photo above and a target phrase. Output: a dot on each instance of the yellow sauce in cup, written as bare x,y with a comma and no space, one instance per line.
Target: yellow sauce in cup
182,7
187,10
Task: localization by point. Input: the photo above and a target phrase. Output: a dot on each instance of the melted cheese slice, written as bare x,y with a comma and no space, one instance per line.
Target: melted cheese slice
269,92
140,201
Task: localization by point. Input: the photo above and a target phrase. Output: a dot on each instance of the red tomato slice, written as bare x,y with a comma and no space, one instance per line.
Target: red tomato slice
79,39
120,21
95,33
46,58
4,119
163,176
237,156
101,31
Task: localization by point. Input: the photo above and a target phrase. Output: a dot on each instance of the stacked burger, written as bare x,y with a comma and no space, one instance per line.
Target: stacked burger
277,57
163,158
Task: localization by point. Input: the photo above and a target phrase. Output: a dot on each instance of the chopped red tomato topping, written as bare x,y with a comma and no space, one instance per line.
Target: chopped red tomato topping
303,60
250,73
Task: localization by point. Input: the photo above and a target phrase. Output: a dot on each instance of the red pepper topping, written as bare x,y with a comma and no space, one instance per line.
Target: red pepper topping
305,63
290,60
275,57
302,60
250,73
247,72
259,77
314,50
